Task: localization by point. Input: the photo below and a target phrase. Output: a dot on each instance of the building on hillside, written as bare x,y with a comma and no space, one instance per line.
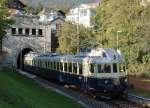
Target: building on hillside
82,14
47,15
15,4
16,7
56,18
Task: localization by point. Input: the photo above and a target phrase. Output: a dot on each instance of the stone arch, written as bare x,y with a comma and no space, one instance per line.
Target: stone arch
20,57
23,50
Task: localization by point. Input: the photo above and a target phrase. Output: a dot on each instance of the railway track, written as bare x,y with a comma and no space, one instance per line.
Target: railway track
144,102
122,103
85,99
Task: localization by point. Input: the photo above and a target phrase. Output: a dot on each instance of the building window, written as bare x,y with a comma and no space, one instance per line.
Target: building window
13,31
40,32
27,31
33,31
83,12
20,31
58,26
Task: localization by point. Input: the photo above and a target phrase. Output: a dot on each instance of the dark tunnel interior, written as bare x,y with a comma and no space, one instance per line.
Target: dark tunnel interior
20,59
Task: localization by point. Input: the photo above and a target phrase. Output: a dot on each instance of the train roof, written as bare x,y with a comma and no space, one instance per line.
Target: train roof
99,55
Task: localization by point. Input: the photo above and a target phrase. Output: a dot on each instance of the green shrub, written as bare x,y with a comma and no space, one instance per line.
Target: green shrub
146,75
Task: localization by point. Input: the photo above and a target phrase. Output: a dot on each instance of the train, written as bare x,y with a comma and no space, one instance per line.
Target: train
100,71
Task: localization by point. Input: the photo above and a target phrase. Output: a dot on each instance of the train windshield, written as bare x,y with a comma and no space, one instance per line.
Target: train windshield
104,68
115,68
122,68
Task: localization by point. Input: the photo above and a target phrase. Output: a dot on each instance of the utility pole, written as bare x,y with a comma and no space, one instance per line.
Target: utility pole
118,38
78,35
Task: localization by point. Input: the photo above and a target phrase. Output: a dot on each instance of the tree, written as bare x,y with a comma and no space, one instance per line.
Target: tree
133,20
70,40
5,21
34,10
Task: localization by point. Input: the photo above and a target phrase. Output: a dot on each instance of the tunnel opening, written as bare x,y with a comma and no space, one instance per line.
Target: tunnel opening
20,59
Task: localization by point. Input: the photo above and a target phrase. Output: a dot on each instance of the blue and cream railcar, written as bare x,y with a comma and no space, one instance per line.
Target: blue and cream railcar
101,71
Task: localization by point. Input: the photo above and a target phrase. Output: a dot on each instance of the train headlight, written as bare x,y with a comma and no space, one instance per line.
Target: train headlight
126,80
106,82
116,81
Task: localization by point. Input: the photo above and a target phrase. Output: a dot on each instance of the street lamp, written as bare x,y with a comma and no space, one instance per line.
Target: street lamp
78,38
118,38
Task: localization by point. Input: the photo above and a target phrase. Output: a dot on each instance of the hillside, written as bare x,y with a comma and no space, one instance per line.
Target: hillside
57,3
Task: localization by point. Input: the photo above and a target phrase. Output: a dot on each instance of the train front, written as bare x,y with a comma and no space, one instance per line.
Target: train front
109,76
111,80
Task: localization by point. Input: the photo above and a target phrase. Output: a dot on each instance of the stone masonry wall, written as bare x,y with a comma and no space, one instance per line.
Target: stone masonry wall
15,41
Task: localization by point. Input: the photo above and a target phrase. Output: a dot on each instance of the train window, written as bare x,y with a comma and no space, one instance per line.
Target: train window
39,63
51,65
36,63
74,68
99,68
54,64
121,67
70,67
80,68
92,68
65,67
32,63
61,66
115,68
42,64
107,68
48,64
57,65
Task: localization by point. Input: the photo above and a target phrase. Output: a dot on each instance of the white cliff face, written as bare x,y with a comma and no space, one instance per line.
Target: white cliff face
27,32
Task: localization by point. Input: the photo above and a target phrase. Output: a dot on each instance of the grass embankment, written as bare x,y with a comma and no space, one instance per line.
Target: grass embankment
17,91
140,93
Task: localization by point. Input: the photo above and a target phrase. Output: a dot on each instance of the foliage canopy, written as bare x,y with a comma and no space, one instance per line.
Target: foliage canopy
125,22
5,21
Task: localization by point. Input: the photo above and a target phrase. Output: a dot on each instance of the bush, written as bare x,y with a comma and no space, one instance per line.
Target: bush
146,75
